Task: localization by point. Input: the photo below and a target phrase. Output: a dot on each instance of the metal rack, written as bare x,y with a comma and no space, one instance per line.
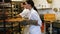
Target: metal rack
5,13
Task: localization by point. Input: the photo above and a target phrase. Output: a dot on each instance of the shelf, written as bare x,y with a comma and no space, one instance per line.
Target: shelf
5,5
6,9
44,8
15,8
8,12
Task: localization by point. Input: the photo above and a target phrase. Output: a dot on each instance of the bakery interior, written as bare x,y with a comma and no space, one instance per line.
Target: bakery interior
48,10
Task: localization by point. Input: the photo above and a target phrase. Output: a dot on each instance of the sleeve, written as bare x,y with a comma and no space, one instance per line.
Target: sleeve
23,13
35,16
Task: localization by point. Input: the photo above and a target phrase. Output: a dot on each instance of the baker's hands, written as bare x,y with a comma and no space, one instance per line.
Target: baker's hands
18,16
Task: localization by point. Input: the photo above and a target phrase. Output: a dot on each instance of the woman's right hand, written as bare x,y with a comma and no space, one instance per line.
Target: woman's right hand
18,16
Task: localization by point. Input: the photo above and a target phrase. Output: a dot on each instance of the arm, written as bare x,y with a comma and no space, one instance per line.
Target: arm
22,14
35,16
19,16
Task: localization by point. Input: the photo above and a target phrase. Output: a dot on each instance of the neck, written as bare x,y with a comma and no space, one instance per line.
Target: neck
30,8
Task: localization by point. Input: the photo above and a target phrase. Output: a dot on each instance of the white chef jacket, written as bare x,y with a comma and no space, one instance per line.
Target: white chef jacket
25,13
33,15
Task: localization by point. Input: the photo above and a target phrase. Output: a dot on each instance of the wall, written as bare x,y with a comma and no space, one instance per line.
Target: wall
41,4
46,11
56,4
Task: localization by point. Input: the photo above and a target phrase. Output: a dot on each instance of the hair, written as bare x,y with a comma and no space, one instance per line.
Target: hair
24,3
31,3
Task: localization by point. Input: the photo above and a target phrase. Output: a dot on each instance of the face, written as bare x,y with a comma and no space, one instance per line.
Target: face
27,5
23,6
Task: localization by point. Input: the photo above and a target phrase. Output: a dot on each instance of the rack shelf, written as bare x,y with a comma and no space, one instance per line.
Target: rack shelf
7,11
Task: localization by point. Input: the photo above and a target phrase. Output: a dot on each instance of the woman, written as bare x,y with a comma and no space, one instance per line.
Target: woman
33,15
25,11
